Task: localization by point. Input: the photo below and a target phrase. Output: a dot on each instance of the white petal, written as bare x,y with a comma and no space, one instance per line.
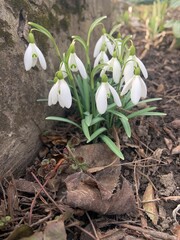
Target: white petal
28,57
136,90
142,67
115,96
97,60
109,46
72,63
116,71
98,46
105,57
63,70
53,94
127,86
143,88
129,69
65,98
80,66
101,98
41,57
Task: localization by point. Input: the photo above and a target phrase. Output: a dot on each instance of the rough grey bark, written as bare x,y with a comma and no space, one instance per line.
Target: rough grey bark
21,117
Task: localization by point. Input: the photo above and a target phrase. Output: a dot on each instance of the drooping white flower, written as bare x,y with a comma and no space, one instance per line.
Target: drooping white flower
60,92
75,64
103,40
102,94
101,58
131,63
32,54
137,87
114,66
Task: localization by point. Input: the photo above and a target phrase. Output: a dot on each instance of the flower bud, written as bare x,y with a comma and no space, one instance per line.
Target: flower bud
132,50
104,78
31,38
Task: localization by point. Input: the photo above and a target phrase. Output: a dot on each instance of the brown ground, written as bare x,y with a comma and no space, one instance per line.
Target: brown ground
151,156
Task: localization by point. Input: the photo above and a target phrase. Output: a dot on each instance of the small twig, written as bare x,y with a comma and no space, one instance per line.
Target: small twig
42,220
171,198
92,225
85,231
4,196
152,233
44,190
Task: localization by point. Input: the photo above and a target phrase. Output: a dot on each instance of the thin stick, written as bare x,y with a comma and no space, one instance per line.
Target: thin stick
153,233
92,225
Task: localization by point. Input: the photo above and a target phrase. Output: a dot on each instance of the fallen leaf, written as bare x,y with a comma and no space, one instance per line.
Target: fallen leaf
150,207
176,124
176,150
85,192
35,236
55,230
168,143
20,232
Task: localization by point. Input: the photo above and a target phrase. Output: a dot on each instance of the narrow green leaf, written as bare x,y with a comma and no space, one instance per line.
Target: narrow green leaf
41,29
153,114
140,112
118,114
130,104
112,146
61,119
85,129
88,120
96,120
126,126
97,133
80,40
42,100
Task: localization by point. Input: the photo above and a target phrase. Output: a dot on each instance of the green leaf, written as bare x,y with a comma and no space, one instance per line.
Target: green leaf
112,146
142,112
153,114
126,126
88,120
80,40
118,114
130,104
96,120
115,28
42,100
97,133
41,29
85,129
93,25
61,119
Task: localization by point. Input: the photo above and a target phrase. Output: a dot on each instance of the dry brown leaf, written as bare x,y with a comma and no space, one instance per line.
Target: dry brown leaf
150,207
55,230
85,192
176,124
168,143
176,150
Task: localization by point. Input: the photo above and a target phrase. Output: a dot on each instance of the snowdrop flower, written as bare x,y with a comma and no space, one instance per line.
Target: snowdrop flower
101,58
32,54
114,66
103,93
137,87
103,40
63,70
60,92
131,63
75,63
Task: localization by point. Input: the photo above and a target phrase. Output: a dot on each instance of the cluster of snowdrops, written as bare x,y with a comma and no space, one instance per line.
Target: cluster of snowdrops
104,91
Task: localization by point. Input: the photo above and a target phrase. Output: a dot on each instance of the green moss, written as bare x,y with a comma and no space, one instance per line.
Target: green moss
18,4
5,35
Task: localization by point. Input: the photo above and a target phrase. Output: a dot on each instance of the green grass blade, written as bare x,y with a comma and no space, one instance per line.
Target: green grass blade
130,104
112,146
85,129
153,114
118,114
96,120
61,119
126,126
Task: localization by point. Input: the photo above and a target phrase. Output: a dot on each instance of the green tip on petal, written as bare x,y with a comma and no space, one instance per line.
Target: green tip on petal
59,75
119,35
103,30
31,38
72,47
103,48
132,50
104,78
55,79
114,54
137,71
